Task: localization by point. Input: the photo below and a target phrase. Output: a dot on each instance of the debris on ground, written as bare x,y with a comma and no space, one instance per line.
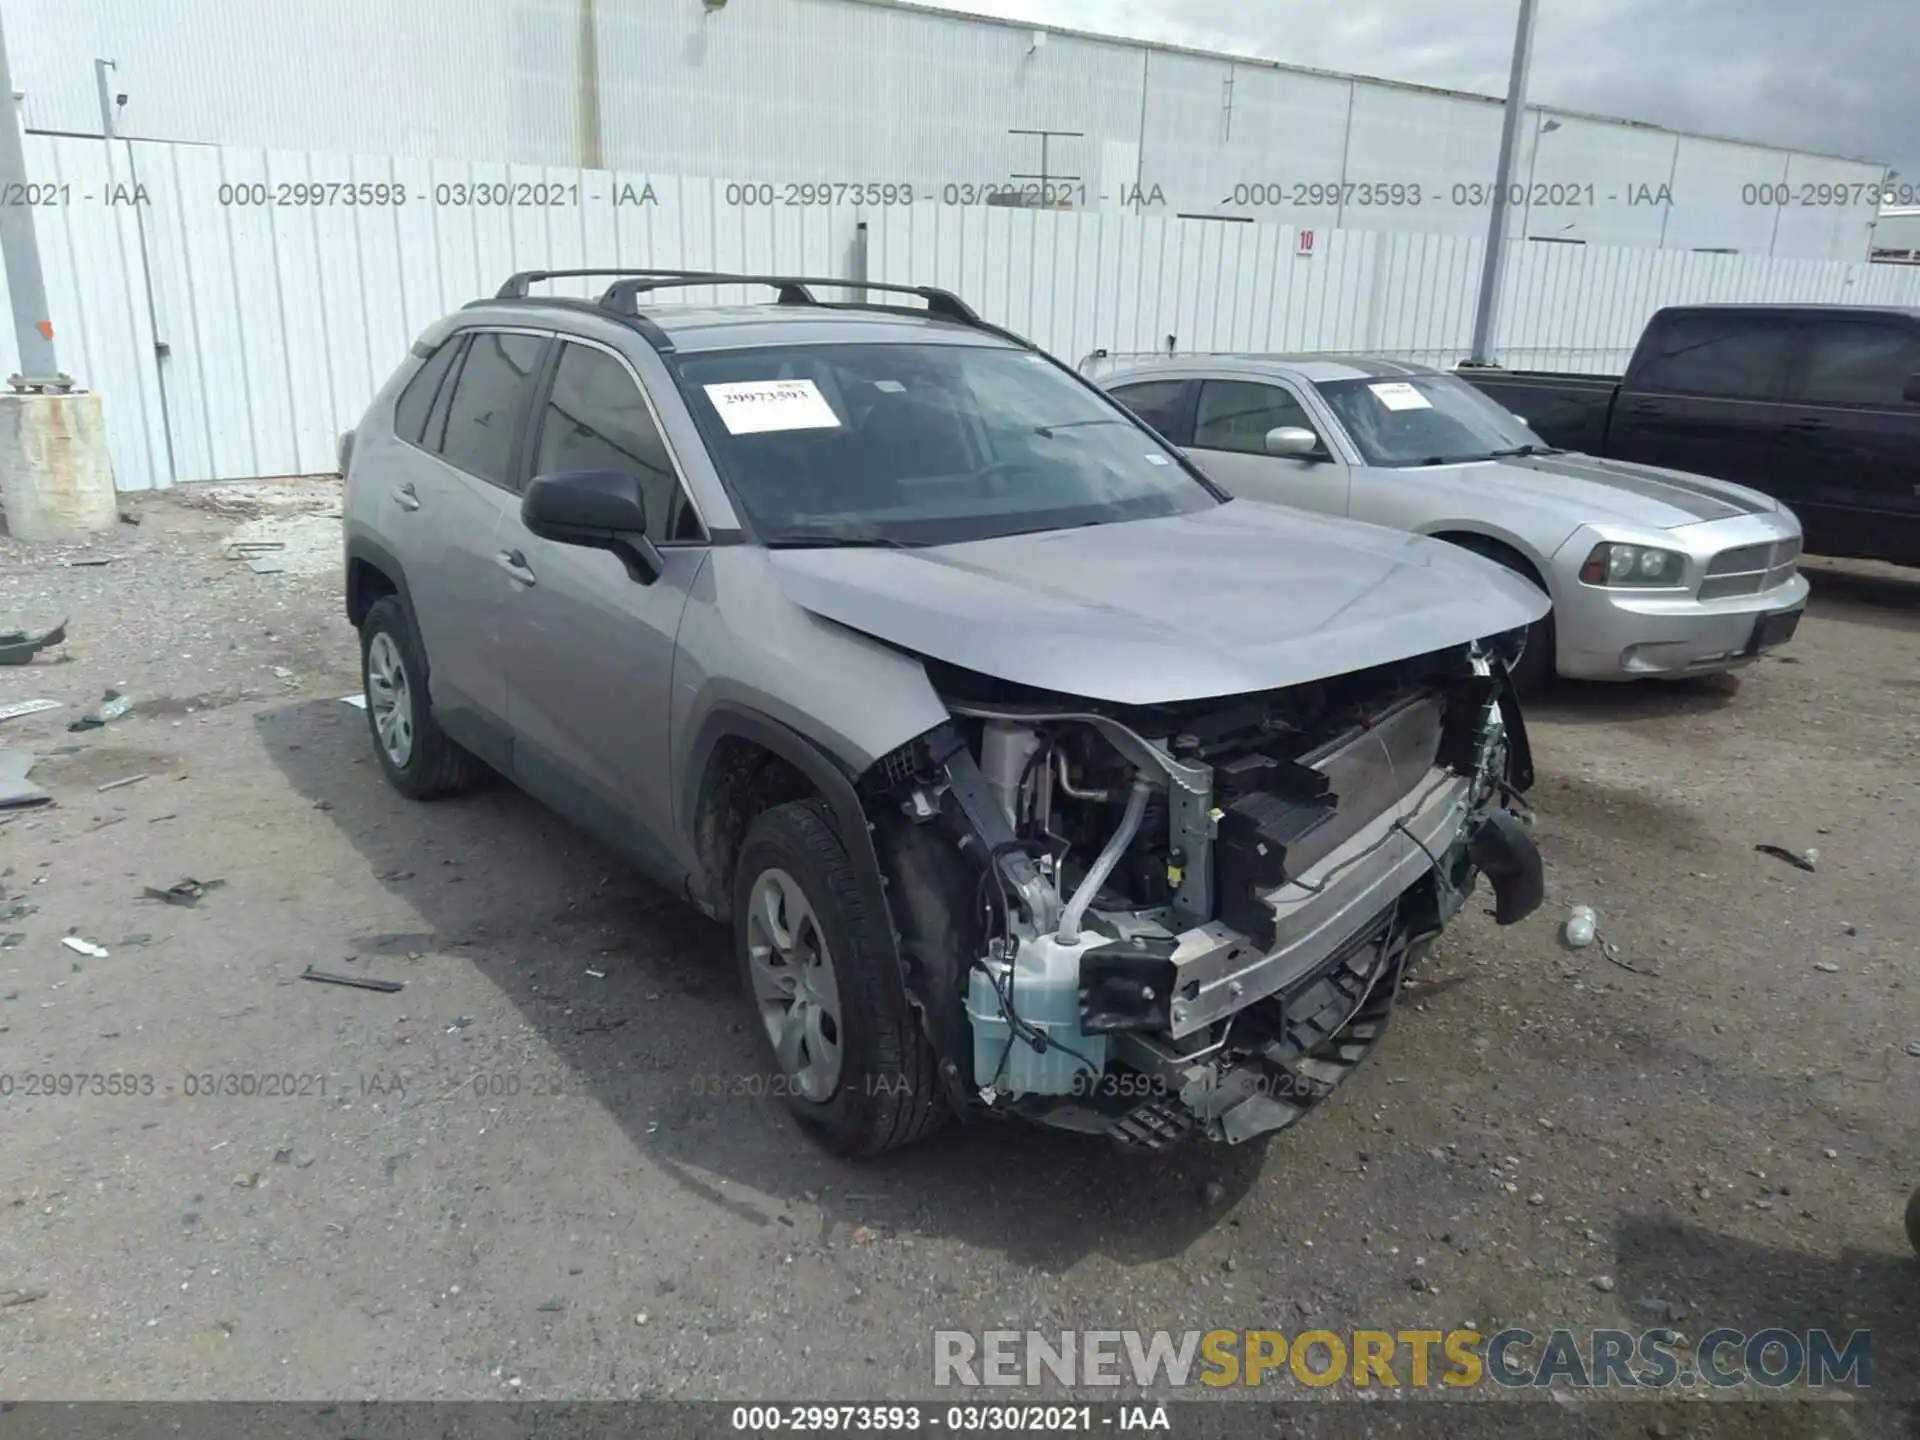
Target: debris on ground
1808,861
111,707
122,784
90,564
16,791
1826,967
18,647
20,708
10,1298
84,947
182,892
358,701
129,517
243,549
267,565
358,982
1581,926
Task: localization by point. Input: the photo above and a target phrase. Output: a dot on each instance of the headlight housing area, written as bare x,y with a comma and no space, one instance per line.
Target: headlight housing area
1614,563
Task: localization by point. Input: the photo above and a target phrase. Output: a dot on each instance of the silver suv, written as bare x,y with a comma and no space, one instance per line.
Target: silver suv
1035,775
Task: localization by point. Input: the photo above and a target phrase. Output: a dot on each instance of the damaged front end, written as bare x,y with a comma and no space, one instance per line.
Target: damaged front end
1157,922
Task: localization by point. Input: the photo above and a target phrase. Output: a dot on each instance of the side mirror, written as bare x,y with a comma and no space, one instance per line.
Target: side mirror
598,509
1293,440
1910,392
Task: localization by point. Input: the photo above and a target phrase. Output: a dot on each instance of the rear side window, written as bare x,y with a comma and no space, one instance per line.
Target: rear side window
416,401
1236,415
596,419
1735,357
1161,403
490,394
1859,362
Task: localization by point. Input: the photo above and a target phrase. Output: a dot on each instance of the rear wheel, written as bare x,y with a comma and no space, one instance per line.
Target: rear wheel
420,760
854,1067
1535,667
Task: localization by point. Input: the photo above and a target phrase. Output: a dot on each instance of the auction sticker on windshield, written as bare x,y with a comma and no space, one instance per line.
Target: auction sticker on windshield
1394,394
753,407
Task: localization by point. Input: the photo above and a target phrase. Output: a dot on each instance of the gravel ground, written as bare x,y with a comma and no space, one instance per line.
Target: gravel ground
525,1175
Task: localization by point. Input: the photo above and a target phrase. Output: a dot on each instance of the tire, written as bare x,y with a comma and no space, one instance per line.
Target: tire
1535,667
860,1076
421,762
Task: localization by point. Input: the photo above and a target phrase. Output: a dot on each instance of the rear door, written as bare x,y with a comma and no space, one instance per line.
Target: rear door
589,650
1166,405
1230,424
1703,395
457,493
1850,439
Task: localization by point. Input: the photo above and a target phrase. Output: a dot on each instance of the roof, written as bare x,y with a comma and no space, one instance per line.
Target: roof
1909,311
1318,367
1262,62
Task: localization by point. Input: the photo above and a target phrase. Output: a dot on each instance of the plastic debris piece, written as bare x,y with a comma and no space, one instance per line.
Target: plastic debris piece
17,647
182,892
21,708
358,982
111,707
84,947
1582,924
263,565
122,784
16,791
1799,862
359,702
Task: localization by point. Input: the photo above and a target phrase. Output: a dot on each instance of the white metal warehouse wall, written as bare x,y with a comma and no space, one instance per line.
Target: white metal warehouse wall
844,90
279,322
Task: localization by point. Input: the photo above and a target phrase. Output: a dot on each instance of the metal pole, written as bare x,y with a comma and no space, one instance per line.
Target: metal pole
31,325
1487,313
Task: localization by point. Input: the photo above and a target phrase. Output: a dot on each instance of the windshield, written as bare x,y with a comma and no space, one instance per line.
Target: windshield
923,444
1425,420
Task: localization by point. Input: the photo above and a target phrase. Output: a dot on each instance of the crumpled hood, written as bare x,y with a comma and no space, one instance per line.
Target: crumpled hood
1239,598
1627,493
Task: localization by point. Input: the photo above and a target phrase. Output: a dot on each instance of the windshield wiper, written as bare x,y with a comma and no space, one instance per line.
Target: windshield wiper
836,540
1523,452
1047,430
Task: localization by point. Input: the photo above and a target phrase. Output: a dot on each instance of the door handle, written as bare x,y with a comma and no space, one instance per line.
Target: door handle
515,564
404,496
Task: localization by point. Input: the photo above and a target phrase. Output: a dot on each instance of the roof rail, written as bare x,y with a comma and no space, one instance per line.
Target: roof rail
517,283
624,294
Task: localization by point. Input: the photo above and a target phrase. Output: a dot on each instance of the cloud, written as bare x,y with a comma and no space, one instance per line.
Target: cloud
1807,74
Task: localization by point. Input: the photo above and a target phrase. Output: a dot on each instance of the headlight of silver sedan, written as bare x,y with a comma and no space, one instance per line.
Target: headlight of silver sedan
1614,563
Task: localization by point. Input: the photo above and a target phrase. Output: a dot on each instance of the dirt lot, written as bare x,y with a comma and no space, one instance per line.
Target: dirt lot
524,1174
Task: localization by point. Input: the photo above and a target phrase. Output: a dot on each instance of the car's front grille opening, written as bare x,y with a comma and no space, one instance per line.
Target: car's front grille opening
1750,569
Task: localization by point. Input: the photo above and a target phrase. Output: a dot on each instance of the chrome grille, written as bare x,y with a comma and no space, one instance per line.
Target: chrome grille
1750,569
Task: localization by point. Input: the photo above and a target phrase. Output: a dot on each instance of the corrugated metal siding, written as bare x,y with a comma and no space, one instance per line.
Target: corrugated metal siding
803,90
280,320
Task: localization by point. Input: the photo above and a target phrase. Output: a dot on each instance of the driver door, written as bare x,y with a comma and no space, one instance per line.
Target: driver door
588,650
1230,425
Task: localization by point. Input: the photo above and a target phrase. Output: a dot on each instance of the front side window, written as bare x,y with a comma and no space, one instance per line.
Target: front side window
923,444
1235,415
490,393
1859,362
596,419
1425,420
1161,403
1733,357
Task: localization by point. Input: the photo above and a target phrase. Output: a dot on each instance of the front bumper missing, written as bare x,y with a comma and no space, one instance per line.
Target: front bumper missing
1218,971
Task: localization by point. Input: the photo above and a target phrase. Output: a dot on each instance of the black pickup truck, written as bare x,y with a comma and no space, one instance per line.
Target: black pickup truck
1815,405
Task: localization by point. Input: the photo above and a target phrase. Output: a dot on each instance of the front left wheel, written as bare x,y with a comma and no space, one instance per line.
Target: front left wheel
816,961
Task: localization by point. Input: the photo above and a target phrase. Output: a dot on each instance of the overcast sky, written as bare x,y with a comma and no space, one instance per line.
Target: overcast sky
1835,76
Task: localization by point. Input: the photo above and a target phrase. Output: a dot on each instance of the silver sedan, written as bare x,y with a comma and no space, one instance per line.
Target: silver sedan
1651,572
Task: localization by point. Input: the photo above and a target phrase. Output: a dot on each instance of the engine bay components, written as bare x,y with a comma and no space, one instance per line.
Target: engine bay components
1168,912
